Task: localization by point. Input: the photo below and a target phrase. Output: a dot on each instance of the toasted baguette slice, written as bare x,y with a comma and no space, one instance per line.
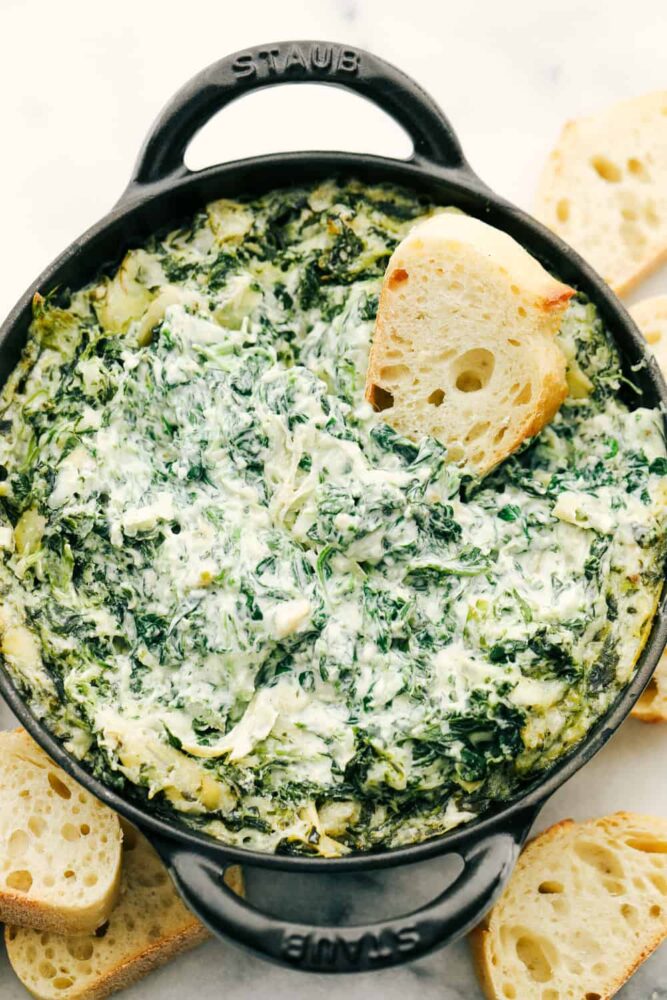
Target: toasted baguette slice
60,849
149,926
650,315
604,189
586,904
464,346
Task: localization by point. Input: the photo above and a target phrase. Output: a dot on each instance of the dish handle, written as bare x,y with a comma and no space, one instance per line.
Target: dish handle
162,155
487,864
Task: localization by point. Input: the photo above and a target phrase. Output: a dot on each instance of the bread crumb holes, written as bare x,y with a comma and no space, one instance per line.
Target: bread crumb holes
606,169
18,843
563,210
21,880
58,786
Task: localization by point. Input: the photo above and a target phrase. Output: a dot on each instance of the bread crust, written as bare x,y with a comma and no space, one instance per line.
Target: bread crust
135,967
16,909
630,282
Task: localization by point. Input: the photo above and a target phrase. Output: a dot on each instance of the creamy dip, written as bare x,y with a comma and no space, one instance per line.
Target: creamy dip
230,588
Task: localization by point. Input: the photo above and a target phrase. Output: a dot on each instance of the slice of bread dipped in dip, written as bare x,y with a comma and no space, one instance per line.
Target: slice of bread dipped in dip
464,346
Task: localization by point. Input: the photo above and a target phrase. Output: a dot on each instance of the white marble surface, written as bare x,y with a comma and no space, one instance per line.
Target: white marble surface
79,85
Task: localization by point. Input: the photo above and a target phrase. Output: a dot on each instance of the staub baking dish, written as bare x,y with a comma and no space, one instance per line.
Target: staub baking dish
162,191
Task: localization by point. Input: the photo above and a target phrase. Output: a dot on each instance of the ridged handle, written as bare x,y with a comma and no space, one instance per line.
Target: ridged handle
487,864
162,155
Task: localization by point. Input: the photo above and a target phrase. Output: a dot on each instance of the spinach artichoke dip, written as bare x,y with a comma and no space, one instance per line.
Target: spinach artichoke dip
232,590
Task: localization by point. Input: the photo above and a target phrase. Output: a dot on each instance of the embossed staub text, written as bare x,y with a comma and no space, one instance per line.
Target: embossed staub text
328,951
298,60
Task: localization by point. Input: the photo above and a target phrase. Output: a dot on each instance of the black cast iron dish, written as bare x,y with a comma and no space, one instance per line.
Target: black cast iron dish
162,189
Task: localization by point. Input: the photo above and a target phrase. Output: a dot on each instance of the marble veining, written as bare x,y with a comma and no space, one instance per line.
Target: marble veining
508,75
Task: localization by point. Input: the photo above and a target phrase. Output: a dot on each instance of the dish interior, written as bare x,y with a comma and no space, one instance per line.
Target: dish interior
235,593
